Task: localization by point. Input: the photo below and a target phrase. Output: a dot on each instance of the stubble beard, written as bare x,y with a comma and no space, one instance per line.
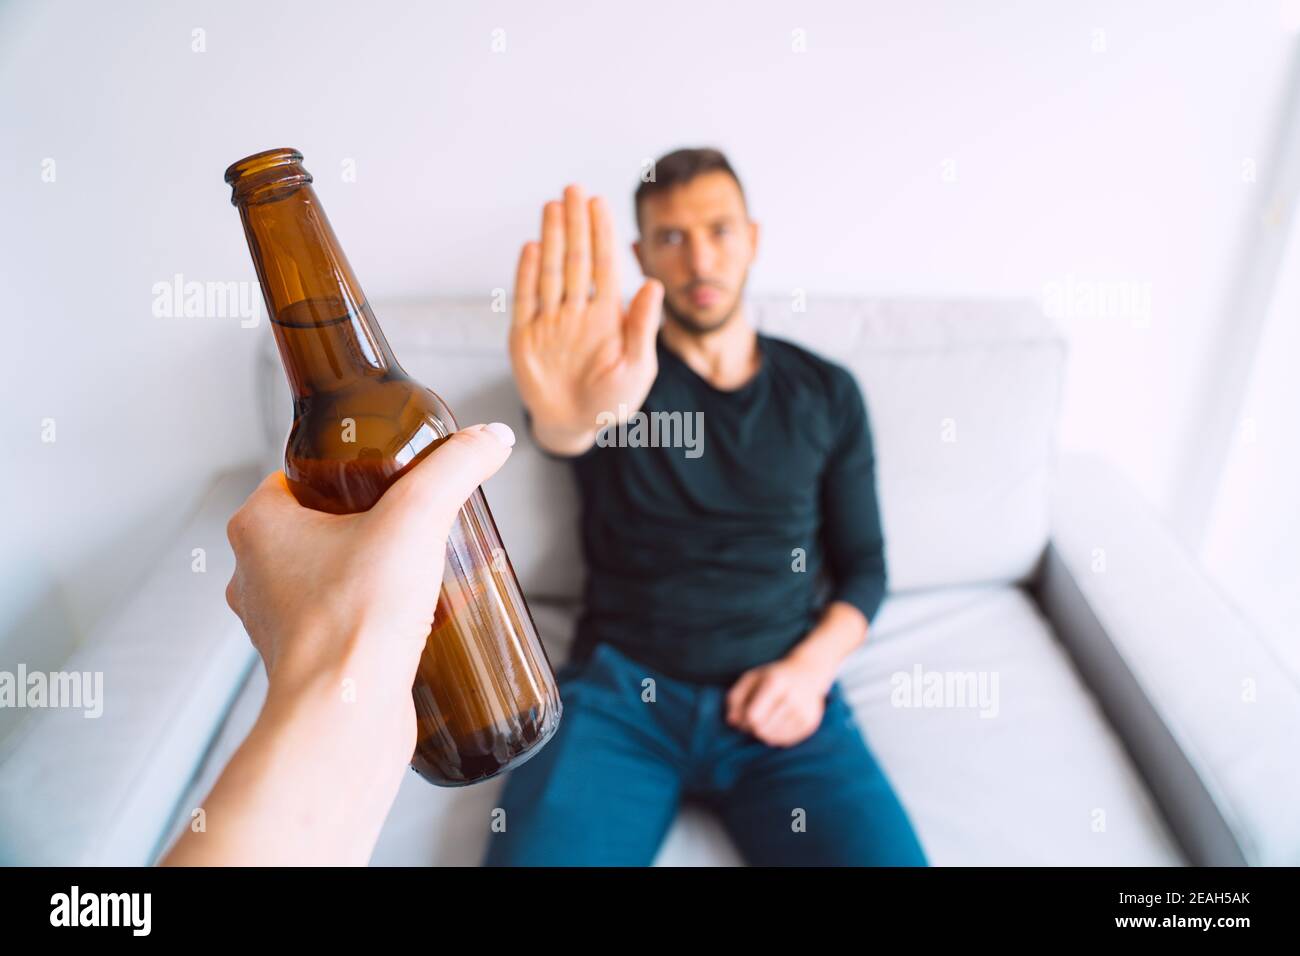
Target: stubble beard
688,323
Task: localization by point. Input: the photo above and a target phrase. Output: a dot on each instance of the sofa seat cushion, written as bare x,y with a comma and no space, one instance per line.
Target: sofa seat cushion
1043,780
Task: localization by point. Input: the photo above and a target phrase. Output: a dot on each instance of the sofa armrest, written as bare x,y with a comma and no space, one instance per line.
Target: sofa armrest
83,790
1210,714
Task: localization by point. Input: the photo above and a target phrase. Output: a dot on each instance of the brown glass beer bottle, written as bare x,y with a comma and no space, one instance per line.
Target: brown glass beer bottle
485,696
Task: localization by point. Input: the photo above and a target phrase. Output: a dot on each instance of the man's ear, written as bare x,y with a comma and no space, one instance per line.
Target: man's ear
636,251
753,240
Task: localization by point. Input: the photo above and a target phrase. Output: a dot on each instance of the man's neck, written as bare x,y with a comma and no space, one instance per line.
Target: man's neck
726,358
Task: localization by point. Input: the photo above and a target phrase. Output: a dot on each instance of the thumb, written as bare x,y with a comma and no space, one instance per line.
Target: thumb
433,491
738,696
643,320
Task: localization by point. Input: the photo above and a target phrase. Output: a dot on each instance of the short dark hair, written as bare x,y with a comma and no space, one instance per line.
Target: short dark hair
678,168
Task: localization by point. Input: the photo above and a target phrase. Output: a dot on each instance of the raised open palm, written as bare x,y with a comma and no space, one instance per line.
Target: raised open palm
575,351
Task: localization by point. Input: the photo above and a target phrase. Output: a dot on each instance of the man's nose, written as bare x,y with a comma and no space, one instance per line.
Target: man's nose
702,256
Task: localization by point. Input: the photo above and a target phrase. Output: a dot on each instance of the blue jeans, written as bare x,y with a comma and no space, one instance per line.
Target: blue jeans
605,789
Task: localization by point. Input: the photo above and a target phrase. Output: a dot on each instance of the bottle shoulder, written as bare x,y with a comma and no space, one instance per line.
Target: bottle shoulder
348,446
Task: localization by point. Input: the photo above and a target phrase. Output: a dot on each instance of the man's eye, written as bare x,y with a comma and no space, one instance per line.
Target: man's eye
722,230
673,238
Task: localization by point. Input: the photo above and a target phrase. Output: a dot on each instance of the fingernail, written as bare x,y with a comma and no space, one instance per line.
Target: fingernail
505,434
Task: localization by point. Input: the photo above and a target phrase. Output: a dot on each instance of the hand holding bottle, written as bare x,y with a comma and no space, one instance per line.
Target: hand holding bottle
324,597
339,607
576,352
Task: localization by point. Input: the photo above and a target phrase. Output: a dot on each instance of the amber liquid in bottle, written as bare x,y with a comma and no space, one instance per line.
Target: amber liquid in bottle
485,694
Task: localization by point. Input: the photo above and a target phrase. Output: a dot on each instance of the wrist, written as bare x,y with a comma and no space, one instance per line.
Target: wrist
563,438
349,703
338,660
346,727
813,657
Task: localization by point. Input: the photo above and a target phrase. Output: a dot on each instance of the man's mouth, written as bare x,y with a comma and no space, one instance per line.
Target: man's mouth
703,296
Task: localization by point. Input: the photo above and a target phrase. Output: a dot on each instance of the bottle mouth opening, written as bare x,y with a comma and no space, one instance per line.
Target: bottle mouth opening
265,175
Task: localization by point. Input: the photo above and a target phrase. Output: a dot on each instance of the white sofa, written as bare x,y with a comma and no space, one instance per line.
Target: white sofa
1138,719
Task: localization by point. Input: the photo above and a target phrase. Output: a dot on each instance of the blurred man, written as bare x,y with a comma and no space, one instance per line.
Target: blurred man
722,474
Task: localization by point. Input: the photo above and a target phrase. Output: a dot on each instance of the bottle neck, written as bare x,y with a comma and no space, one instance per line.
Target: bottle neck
327,336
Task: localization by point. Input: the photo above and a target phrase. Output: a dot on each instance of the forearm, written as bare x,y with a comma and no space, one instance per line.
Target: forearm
842,628
854,542
311,785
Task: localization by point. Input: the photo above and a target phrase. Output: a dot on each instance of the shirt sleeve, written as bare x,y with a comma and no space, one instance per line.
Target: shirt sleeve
852,533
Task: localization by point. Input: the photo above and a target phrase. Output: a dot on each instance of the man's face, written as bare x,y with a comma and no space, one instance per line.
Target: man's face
697,240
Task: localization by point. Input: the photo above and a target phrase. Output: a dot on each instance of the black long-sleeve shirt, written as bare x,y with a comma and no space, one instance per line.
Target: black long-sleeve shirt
717,555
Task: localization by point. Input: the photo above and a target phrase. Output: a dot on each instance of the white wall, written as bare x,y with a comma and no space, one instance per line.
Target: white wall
1114,165
1252,541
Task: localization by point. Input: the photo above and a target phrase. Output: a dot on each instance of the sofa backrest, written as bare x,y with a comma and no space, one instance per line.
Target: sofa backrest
963,398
